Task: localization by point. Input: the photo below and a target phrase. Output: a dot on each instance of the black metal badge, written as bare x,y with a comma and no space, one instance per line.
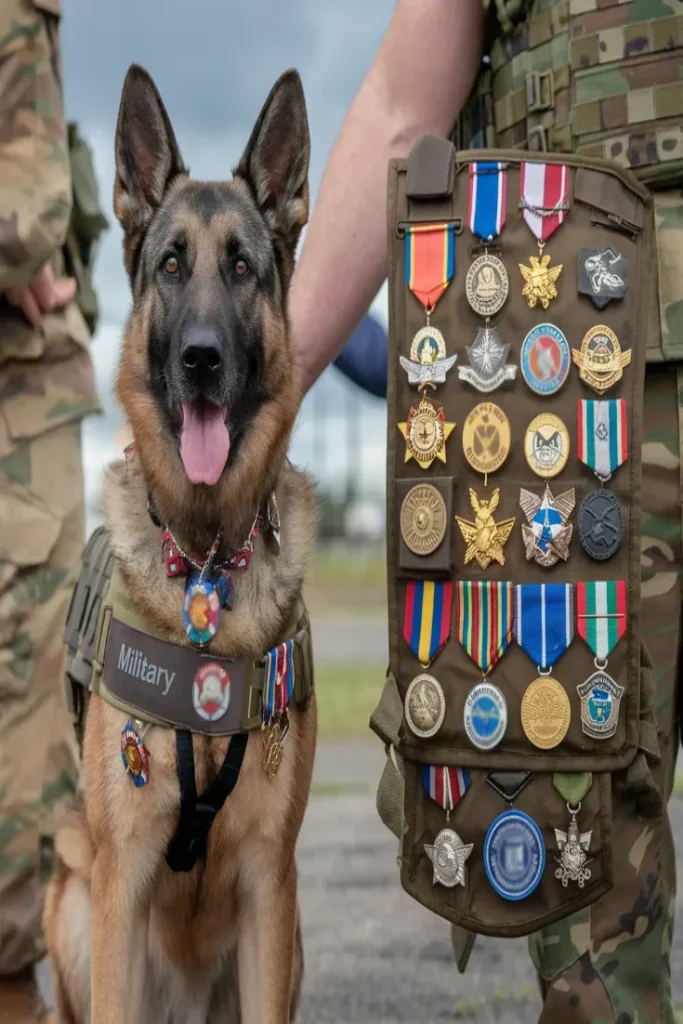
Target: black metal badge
600,524
603,275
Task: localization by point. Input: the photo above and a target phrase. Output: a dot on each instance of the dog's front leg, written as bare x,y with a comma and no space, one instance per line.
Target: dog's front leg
265,949
119,934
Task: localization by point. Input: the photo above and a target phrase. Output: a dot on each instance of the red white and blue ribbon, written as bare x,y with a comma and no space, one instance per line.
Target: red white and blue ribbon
487,202
544,620
446,786
278,682
602,434
427,617
544,193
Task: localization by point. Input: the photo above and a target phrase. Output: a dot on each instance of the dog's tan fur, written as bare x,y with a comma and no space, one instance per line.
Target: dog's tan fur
129,940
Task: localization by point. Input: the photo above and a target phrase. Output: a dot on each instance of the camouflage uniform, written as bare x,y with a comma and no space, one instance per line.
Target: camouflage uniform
610,962
46,387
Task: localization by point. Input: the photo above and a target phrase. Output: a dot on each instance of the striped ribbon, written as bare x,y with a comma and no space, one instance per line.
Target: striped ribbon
602,434
487,199
545,198
601,615
544,620
485,621
446,786
430,260
278,682
427,618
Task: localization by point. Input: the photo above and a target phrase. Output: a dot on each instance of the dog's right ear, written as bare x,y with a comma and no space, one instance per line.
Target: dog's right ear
147,154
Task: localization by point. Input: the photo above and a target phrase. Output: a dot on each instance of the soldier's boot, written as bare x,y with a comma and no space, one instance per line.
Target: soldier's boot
21,1002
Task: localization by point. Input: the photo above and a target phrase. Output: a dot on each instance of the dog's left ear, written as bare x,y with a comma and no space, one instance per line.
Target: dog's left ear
275,162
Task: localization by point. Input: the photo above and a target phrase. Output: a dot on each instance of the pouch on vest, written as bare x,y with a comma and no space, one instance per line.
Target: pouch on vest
86,225
608,211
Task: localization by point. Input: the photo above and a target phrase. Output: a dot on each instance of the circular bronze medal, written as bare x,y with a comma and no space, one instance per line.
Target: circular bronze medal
425,706
546,445
486,438
423,519
487,285
545,713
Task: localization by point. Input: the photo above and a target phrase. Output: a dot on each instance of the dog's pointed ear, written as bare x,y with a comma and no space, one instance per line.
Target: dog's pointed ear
275,162
147,154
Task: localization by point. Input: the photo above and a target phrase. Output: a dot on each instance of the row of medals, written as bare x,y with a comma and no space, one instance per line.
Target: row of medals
486,445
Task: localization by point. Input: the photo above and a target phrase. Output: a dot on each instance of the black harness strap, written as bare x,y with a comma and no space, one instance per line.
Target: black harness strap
197,814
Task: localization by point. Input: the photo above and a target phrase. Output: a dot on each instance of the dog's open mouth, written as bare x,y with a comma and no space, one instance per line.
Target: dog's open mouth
204,441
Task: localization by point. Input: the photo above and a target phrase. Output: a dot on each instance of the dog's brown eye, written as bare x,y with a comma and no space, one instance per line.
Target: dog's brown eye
241,268
171,265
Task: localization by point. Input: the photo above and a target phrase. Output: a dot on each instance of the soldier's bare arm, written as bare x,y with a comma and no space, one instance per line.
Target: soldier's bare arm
35,185
418,82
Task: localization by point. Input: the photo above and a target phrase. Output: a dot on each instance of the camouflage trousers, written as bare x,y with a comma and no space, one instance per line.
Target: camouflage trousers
609,964
41,540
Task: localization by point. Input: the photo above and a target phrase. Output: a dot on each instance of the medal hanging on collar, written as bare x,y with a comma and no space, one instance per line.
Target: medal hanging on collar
544,200
203,607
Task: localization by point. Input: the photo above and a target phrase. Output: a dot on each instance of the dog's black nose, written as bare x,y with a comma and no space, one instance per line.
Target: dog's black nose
200,352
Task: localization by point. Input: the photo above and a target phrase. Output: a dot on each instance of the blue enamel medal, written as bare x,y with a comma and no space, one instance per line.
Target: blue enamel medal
514,855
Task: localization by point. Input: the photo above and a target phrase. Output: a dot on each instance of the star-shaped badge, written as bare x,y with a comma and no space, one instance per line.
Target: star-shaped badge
426,432
547,537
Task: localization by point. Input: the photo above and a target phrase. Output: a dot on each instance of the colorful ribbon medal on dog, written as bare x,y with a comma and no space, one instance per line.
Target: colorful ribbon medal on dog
601,613
602,435
485,621
427,618
544,628
278,691
429,269
544,200
487,285
134,755
446,786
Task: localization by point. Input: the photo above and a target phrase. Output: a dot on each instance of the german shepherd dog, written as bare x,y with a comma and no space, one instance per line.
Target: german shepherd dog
207,382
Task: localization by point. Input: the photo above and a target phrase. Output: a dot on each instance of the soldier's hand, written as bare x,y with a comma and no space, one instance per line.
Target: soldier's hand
44,294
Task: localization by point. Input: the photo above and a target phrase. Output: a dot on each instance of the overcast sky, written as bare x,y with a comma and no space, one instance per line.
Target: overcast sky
214,62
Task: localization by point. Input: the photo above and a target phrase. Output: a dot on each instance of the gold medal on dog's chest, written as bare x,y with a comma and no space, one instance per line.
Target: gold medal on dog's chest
426,431
423,519
545,713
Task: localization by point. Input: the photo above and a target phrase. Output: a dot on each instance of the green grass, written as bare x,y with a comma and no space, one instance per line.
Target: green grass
347,694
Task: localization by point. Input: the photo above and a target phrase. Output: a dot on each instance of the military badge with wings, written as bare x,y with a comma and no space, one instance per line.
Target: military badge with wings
484,537
540,281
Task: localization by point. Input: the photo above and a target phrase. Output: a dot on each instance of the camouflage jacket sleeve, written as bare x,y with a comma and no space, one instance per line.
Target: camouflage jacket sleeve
35,185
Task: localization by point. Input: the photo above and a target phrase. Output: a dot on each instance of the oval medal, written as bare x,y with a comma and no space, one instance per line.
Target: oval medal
600,360
546,445
487,285
202,610
486,438
545,359
514,855
486,716
546,713
425,706
423,519
134,755
600,524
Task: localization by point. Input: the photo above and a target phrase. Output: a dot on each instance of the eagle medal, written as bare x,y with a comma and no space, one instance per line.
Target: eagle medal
484,537
539,281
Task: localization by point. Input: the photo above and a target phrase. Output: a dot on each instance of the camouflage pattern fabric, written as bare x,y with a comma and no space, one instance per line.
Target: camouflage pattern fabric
609,964
46,388
41,539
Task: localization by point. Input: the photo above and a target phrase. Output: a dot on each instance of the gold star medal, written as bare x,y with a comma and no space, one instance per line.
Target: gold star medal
484,538
486,438
426,431
601,361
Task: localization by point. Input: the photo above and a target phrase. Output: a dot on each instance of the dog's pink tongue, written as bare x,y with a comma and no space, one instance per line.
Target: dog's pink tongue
204,443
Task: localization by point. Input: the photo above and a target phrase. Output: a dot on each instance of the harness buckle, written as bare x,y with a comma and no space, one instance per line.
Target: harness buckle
190,841
537,139
540,91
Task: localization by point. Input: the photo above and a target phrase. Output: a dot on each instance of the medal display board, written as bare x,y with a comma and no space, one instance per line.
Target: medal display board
521,423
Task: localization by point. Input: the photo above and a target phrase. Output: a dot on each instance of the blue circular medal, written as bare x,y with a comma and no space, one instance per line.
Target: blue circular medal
202,610
486,716
545,359
514,855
